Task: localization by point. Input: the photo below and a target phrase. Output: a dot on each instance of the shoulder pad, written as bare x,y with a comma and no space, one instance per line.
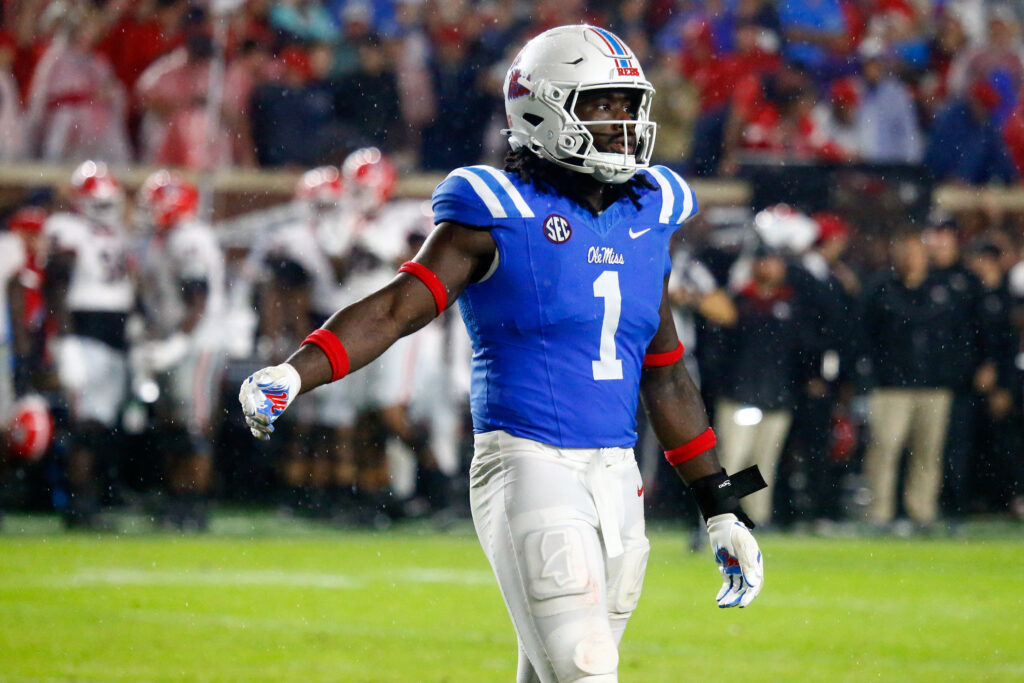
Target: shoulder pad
479,196
678,202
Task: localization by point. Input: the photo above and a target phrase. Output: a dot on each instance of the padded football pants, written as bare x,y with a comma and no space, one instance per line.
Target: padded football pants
563,529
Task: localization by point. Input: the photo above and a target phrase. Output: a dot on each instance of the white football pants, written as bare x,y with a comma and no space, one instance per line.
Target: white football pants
563,529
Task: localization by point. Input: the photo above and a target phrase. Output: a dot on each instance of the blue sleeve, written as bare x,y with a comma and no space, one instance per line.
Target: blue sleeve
455,200
678,201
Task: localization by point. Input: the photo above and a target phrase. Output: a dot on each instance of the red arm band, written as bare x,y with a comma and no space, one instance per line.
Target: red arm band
691,449
332,347
432,281
657,360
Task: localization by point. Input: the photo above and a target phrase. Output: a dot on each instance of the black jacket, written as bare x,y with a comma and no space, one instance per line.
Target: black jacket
925,337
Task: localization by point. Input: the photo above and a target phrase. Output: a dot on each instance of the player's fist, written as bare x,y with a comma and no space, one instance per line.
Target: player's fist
265,395
739,560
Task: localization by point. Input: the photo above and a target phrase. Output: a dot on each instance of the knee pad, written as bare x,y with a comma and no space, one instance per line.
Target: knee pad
626,580
596,656
583,650
556,563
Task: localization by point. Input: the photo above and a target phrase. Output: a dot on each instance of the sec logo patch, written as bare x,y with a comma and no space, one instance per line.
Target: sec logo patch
557,229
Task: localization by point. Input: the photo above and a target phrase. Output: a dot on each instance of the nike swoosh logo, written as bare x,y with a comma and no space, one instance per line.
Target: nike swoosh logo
574,63
640,491
634,235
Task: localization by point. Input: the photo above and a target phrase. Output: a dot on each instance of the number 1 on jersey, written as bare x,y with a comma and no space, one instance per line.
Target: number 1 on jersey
606,287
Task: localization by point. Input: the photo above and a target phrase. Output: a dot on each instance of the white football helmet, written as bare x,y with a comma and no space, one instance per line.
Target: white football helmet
784,228
96,194
544,83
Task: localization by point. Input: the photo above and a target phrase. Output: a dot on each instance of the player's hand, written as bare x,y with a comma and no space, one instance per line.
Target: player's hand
739,560
265,395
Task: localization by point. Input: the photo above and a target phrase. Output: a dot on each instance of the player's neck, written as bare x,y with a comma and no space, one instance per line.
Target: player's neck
594,192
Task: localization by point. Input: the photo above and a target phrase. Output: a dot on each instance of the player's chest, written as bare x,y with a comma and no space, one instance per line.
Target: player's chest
567,249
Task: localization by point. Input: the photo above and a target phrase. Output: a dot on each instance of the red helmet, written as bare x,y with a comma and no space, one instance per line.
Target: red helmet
31,428
27,219
96,193
167,198
369,177
320,185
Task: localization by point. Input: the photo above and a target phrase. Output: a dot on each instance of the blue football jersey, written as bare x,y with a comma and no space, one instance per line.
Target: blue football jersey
561,325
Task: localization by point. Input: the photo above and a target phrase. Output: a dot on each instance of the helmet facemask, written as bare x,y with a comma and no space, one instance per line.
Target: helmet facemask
577,141
544,85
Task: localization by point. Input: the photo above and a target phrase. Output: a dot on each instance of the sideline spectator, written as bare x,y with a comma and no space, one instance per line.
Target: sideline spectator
998,62
715,76
172,93
909,331
999,428
76,105
455,137
754,412
366,100
292,116
887,128
143,35
836,118
948,268
966,143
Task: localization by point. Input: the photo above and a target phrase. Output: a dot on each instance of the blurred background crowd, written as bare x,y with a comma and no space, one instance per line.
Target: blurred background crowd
861,345
299,82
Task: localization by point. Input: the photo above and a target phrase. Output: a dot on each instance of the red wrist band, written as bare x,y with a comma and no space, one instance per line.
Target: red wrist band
332,347
432,281
691,449
657,360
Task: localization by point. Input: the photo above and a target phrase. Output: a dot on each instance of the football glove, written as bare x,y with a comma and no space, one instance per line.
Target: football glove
739,560
265,395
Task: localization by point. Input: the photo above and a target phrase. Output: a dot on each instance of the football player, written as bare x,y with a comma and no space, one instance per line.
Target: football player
542,257
91,291
183,299
308,262
397,396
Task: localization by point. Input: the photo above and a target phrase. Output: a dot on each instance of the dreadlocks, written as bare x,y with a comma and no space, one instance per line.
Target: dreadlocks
553,179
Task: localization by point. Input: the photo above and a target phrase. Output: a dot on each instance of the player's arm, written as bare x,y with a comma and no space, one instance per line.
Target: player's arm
456,255
452,257
677,414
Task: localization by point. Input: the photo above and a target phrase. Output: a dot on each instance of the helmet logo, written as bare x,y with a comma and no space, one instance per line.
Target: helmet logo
623,59
626,68
515,89
557,229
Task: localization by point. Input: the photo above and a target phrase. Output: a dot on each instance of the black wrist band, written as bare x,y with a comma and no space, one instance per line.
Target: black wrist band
719,494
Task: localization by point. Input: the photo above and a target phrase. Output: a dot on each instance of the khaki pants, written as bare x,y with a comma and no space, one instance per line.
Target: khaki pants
897,418
743,445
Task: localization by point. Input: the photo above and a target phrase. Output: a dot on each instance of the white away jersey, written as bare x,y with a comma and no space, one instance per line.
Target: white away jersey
99,278
190,254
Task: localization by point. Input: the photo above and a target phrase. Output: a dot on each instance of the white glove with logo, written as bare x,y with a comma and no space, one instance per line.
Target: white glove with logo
265,395
739,560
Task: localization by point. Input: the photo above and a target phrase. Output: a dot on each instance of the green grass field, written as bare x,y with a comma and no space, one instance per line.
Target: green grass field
261,599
